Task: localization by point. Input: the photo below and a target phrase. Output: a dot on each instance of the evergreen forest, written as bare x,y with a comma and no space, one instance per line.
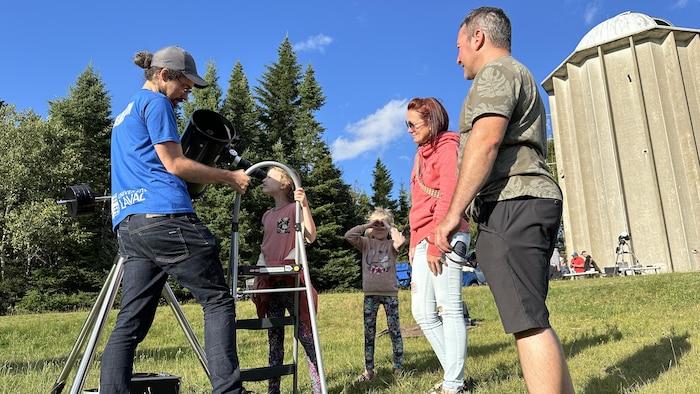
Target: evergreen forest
51,261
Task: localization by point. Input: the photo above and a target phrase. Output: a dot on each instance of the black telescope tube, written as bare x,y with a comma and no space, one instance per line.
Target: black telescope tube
206,136
244,164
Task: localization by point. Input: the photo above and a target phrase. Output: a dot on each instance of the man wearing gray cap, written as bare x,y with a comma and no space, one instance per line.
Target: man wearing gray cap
158,232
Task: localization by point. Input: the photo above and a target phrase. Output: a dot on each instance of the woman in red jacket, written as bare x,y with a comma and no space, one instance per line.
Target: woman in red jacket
436,283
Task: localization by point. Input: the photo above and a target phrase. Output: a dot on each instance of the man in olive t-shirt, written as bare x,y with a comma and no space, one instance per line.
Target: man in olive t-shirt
504,180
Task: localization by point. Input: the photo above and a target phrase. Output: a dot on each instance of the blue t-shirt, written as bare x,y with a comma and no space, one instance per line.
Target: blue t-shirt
140,182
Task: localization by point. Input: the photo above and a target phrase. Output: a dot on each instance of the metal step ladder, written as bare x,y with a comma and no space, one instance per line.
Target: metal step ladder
297,268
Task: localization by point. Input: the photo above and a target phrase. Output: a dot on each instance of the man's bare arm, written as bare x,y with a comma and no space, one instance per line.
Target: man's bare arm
478,158
173,159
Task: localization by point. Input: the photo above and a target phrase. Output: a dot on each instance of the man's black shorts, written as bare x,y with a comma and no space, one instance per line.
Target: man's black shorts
515,241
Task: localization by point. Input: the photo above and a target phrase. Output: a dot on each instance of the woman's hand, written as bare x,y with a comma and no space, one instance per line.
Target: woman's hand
435,264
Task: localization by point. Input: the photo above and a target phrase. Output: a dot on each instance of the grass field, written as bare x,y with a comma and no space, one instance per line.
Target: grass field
621,335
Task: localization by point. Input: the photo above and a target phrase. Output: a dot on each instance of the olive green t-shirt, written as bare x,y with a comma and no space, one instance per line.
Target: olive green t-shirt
506,87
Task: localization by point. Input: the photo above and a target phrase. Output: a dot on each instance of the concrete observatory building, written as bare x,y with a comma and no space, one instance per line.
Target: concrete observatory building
625,111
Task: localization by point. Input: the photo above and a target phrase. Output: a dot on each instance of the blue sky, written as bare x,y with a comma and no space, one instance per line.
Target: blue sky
370,56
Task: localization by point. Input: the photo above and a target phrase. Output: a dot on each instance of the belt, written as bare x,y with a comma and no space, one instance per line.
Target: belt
167,215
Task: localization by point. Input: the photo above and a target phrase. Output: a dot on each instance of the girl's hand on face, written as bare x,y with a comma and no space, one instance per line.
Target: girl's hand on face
378,224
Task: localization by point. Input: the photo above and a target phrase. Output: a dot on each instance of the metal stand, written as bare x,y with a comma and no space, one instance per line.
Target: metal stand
95,323
300,260
623,248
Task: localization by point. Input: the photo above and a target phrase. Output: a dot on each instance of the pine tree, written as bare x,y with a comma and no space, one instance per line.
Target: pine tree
26,143
287,100
42,248
278,102
401,219
239,108
331,258
85,117
215,207
207,98
404,208
552,159
361,202
85,128
382,187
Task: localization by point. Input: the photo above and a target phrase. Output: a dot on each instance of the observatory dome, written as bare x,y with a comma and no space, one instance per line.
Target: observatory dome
623,25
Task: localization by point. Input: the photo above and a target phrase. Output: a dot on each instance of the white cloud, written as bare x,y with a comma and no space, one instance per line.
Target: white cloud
374,132
680,4
592,9
318,42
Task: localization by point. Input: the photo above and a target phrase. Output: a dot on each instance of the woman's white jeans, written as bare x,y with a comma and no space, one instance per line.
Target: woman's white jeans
446,332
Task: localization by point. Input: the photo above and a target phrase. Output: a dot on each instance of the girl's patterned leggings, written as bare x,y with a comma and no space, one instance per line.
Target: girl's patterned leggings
280,302
391,307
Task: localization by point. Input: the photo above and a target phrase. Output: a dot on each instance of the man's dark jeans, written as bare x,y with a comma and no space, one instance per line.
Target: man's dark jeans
182,247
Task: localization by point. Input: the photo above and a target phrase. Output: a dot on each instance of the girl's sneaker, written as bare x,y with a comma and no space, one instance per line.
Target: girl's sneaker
366,376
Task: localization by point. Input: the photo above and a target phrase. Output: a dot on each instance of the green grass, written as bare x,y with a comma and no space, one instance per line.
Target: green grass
620,335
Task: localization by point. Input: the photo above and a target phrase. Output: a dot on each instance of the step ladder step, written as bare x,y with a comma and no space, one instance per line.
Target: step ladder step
259,270
265,373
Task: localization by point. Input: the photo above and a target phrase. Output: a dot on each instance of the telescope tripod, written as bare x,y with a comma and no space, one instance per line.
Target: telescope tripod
95,322
622,249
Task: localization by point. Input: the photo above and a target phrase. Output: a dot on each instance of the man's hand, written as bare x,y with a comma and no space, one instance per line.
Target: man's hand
239,181
445,230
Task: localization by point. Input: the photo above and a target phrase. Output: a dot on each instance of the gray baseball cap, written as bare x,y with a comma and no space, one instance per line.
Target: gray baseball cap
176,58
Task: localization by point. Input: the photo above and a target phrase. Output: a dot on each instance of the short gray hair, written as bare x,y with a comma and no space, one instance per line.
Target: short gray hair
493,22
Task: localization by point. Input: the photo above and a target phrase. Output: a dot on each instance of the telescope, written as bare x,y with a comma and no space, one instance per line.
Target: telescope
208,139
623,238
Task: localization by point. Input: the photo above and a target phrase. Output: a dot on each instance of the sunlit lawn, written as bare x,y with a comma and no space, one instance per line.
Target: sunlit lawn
620,335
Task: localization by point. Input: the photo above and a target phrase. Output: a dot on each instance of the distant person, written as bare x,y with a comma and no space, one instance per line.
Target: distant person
504,179
471,265
379,241
278,248
159,234
554,270
436,284
563,266
577,263
589,263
